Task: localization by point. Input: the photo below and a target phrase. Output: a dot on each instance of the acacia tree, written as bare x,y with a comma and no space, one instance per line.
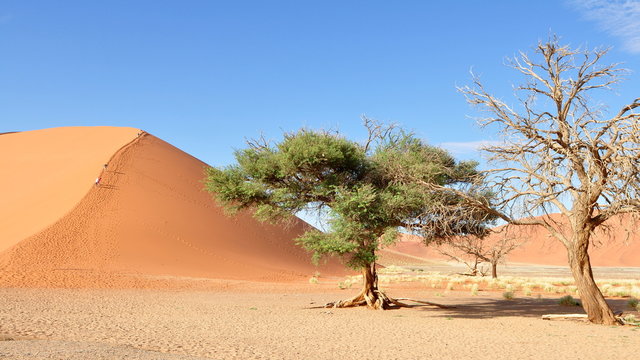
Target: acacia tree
352,183
560,153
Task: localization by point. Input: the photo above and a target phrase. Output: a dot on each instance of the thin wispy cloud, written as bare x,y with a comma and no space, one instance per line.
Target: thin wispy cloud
469,147
620,18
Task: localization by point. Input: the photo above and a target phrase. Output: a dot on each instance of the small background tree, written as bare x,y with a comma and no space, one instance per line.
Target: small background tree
561,154
476,250
355,184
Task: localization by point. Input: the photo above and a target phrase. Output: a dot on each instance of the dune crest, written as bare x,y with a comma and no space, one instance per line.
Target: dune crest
47,172
151,218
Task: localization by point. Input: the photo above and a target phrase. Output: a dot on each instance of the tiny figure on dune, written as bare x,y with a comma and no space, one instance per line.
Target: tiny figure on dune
105,166
139,133
98,181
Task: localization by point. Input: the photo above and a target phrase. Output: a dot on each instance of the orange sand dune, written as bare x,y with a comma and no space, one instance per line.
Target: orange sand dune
45,173
409,249
617,246
149,218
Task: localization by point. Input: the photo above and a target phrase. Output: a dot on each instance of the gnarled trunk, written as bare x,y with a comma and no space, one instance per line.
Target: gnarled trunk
373,297
370,295
593,302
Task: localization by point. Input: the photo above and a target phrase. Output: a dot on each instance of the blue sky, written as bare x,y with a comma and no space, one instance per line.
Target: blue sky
204,75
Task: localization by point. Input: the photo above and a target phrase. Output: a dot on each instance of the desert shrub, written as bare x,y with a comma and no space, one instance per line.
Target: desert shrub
474,290
634,304
527,291
572,289
391,269
314,279
568,301
345,284
619,292
450,285
631,320
508,295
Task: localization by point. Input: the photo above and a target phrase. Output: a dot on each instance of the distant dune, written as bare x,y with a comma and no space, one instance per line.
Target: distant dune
149,218
618,246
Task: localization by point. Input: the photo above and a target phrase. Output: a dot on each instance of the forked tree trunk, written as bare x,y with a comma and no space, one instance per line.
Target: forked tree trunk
370,295
374,298
593,302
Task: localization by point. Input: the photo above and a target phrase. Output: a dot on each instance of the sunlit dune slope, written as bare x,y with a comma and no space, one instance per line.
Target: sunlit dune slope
45,173
150,218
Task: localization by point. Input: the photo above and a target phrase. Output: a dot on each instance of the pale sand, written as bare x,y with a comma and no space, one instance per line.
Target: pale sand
276,321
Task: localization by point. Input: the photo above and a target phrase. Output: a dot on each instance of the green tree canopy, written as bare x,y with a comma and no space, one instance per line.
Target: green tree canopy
368,191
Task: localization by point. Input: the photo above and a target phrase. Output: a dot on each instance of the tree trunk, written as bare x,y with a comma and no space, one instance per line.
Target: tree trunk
494,269
593,302
373,297
370,290
370,295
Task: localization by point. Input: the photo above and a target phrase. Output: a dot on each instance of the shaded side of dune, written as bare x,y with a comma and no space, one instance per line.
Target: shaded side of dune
149,222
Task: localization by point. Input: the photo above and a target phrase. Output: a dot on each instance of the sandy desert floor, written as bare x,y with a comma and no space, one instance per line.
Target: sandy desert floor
240,320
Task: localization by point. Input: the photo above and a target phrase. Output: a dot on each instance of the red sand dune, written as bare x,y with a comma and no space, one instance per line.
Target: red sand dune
149,217
409,249
47,172
618,246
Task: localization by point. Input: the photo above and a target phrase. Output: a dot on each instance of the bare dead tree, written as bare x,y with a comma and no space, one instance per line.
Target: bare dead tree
475,250
561,154
466,251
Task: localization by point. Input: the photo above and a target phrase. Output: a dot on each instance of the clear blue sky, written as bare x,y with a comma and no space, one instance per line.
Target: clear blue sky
204,75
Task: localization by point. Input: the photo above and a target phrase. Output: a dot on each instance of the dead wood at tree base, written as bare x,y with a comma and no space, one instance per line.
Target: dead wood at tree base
374,299
378,300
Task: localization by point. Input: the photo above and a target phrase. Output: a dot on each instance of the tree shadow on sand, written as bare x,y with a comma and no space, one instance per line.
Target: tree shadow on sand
522,307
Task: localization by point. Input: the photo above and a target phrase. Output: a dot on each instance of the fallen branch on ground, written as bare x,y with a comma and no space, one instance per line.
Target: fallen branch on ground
564,316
